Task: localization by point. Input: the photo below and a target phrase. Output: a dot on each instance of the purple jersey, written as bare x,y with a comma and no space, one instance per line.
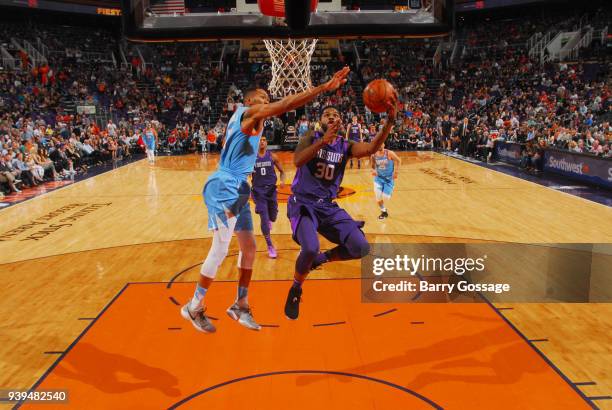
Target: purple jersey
354,132
321,176
263,173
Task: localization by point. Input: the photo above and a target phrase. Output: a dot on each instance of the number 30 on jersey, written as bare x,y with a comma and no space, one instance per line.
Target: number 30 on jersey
325,171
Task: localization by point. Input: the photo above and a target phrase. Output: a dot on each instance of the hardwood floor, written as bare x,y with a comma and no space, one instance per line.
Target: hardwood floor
65,255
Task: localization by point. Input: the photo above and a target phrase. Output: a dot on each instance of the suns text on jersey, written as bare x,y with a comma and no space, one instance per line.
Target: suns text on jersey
330,156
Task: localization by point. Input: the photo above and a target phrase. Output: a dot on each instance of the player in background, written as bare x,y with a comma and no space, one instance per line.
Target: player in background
227,193
263,182
320,159
302,126
385,165
366,136
372,131
149,137
353,133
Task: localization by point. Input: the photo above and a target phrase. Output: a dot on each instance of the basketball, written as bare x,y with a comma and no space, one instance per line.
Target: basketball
377,93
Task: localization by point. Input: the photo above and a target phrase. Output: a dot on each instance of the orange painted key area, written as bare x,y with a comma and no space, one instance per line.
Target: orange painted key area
341,354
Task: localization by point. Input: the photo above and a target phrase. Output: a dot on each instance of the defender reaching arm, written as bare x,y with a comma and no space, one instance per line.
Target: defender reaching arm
261,108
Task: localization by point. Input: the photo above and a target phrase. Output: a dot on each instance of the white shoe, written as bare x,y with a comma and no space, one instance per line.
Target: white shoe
244,316
198,320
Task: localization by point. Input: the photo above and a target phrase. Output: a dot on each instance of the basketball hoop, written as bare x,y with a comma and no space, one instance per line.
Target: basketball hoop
290,65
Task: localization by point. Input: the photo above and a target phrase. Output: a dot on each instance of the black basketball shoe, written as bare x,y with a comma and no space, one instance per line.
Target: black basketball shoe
292,305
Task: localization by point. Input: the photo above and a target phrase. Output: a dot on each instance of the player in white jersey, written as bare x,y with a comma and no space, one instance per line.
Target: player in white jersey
149,137
385,164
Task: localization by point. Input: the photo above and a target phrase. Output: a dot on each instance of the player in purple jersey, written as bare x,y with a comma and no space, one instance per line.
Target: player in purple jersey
226,195
263,192
353,133
321,158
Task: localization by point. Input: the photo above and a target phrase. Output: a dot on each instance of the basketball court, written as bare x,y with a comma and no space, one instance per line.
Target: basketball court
95,274
101,300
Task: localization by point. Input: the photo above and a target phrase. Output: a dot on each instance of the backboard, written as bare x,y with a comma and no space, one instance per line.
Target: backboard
411,18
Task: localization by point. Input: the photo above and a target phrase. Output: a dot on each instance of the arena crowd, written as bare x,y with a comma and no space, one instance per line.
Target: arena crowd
493,91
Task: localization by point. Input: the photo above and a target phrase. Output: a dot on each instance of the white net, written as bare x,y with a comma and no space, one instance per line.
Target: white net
290,65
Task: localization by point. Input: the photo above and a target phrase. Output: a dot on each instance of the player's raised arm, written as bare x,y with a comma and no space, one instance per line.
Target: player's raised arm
364,149
259,112
307,149
278,166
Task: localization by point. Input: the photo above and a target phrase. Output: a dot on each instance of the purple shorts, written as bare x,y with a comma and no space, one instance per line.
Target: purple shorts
331,221
265,200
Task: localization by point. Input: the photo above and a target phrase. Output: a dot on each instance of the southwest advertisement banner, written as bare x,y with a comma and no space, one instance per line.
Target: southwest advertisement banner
587,168
508,152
